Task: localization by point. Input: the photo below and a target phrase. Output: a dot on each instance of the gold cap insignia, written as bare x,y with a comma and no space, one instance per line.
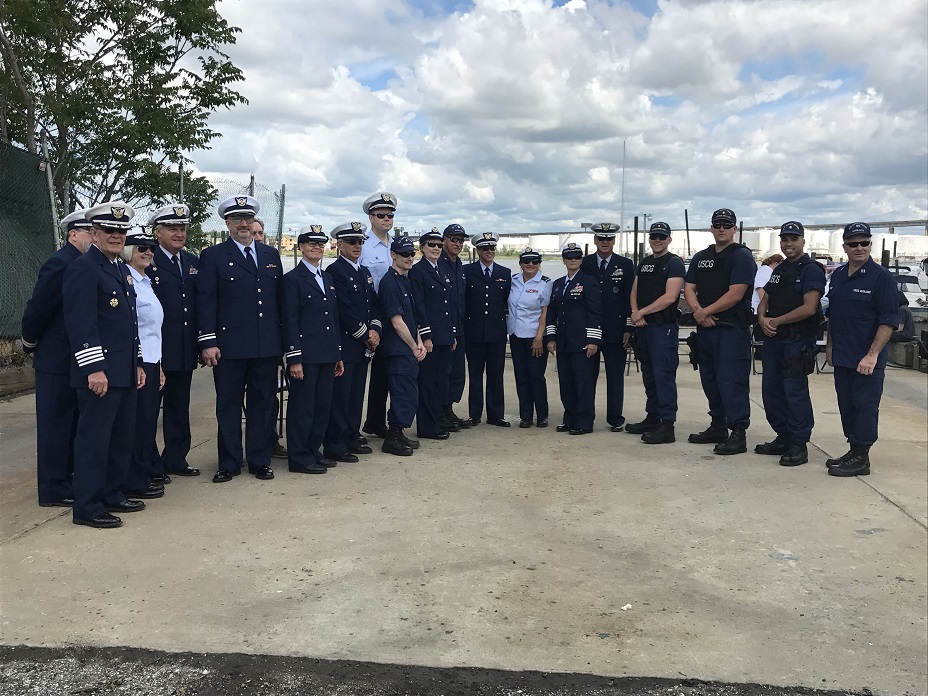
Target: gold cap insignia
488,235
242,200
117,212
387,198
435,230
179,211
356,226
316,228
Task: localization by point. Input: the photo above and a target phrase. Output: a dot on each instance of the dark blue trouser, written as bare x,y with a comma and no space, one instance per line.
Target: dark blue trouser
615,356
457,374
530,378
236,379
725,372
787,402
55,426
347,406
433,389
403,371
175,421
489,358
102,449
377,393
859,403
658,353
142,467
577,375
308,406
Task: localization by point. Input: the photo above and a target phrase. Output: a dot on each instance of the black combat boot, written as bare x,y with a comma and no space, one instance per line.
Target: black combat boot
393,443
797,454
661,435
408,441
780,445
735,444
716,432
858,464
838,461
649,424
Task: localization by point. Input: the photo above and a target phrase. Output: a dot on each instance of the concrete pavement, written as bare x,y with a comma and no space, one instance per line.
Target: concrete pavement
508,548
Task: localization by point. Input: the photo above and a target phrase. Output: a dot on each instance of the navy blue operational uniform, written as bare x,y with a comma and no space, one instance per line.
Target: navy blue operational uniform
789,356
657,342
358,315
45,337
486,298
861,305
615,274
174,279
454,237
396,300
436,316
528,301
574,320
725,348
312,343
99,314
238,313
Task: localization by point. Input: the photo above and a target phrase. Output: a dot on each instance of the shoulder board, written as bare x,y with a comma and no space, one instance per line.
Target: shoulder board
546,279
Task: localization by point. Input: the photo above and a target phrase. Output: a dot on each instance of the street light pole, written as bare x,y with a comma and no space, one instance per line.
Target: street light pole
622,204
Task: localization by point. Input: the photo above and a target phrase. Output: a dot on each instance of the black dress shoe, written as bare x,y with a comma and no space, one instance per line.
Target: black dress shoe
347,457
104,521
127,506
499,423
223,475
563,428
279,451
153,491
580,431
359,449
161,479
542,423
264,473
472,422
362,440
525,424
64,502
376,431
328,463
309,469
187,471
441,435
617,427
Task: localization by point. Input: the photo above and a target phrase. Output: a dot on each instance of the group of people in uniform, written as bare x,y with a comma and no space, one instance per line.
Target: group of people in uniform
118,322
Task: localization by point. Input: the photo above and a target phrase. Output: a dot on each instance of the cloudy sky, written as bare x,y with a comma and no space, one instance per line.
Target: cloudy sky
511,115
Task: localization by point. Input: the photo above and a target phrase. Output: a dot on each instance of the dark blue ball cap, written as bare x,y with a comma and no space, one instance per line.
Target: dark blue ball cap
792,228
402,245
855,229
661,228
454,230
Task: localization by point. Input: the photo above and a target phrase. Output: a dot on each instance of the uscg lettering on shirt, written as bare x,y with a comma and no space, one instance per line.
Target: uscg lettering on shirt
774,279
706,263
647,268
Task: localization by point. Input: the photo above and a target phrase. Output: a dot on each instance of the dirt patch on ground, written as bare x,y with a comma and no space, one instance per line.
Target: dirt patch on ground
27,671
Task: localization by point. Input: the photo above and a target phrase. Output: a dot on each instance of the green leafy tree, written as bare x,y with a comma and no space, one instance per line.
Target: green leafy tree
120,87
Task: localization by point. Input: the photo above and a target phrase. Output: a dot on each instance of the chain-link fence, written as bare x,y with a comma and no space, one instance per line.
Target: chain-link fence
272,208
27,232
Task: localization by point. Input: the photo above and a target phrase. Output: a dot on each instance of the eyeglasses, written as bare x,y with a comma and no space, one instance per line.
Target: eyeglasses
853,245
315,245
405,254
352,242
722,225
657,237
433,245
381,216
455,240
241,218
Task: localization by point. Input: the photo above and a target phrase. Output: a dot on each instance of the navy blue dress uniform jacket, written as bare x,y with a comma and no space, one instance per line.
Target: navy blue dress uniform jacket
177,293
43,329
433,293
574,317
616,285
99,312
486,301
454,272
246,322
310,319
358,308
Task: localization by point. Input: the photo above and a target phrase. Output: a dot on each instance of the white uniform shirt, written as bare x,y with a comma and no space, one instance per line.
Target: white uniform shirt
376,256
150,316
525,302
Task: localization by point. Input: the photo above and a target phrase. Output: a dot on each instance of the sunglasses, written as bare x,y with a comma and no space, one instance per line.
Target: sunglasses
456,240
433,245
241,218
854,245
657,237
145,247
352,242
722,225
405,254
530,263
381,216
604,239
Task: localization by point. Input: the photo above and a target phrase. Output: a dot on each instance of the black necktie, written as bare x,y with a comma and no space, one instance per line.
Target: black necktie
486,272
176,260
602,267
250,257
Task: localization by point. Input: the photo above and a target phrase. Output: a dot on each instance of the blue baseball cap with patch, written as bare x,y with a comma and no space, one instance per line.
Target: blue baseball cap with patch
792,228
855,229
402,245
